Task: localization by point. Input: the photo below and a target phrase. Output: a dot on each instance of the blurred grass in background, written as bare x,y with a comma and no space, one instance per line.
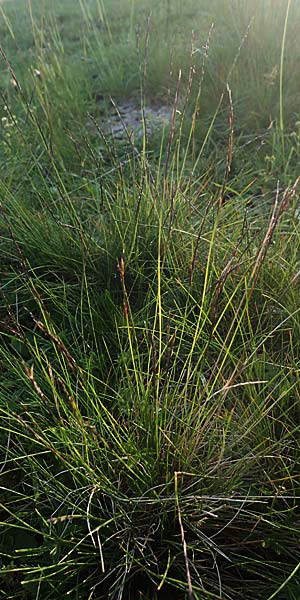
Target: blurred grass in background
105,39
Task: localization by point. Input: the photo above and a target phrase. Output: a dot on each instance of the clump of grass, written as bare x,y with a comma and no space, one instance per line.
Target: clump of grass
149,357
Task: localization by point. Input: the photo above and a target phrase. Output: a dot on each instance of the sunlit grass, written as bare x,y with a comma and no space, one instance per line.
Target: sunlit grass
149,389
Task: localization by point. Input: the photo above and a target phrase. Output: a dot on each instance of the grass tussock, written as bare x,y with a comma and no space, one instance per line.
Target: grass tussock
149,314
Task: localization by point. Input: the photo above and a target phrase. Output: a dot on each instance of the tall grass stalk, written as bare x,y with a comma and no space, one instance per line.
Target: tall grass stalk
281,104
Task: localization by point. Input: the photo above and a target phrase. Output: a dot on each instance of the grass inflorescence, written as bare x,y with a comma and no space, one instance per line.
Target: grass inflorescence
149,314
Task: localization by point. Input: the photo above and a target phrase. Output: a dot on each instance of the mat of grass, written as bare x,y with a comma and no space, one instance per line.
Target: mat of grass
149,312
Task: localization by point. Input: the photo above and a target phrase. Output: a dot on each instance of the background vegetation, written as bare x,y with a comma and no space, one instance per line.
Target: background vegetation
149,312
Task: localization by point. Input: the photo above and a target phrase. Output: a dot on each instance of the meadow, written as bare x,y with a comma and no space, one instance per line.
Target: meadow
149,304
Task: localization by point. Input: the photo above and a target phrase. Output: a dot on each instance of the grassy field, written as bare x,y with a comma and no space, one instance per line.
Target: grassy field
149,306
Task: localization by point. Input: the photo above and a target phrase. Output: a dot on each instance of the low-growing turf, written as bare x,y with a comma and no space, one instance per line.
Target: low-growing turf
149,312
